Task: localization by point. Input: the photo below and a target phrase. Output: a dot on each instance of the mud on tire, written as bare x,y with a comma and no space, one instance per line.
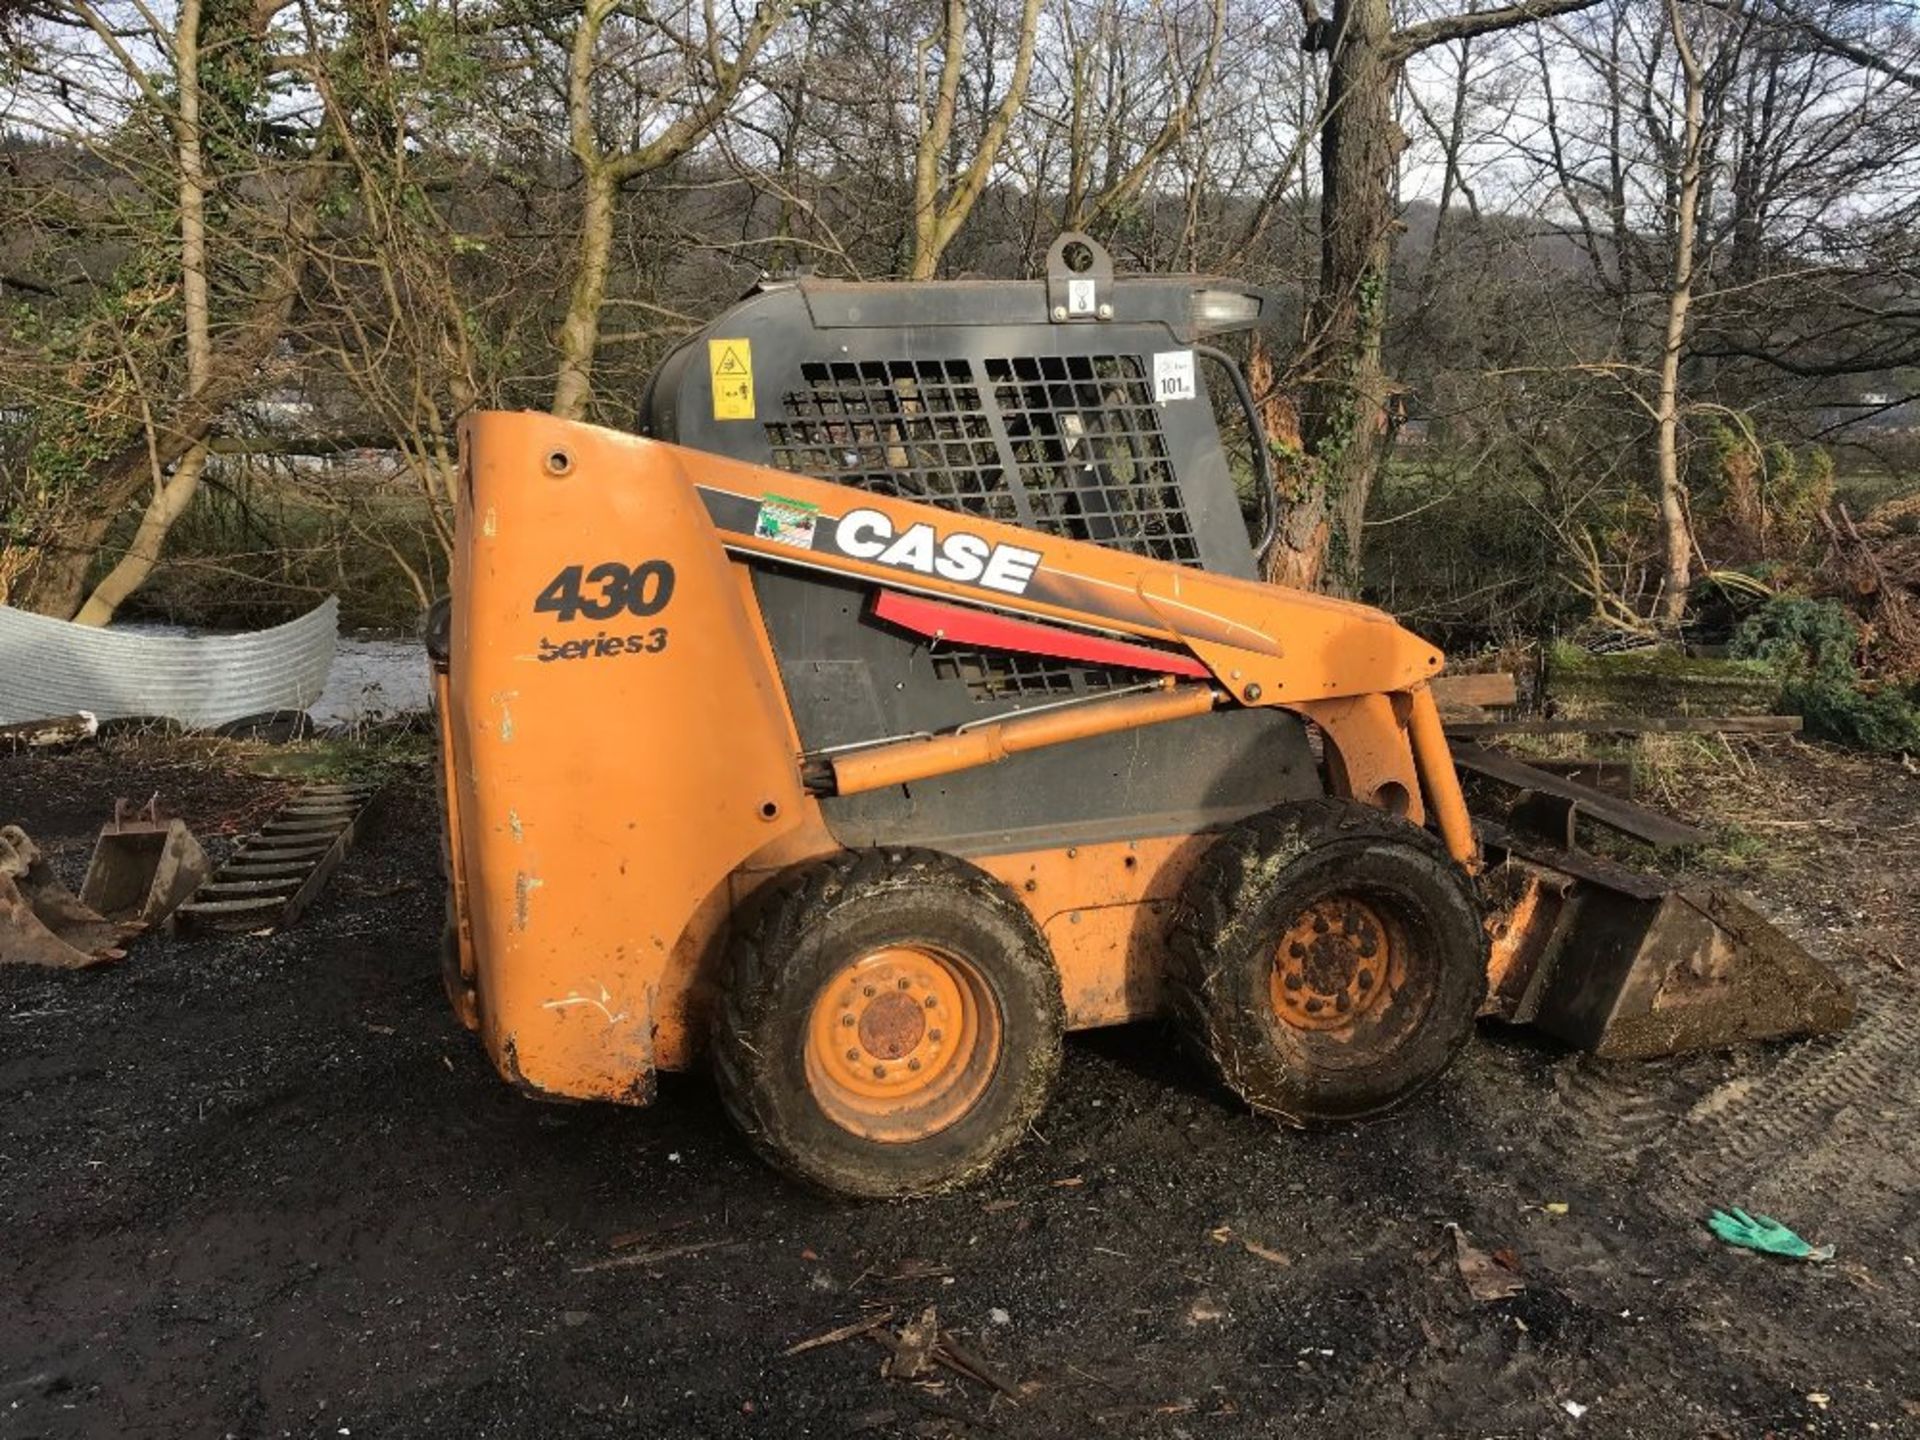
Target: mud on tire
890,1023
1328,961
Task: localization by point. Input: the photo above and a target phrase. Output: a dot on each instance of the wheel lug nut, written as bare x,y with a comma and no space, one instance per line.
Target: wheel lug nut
931,1002
1365,977
1314,1007
933,1035
1298,951
853,1054
1340,1003
868,992
846,1020
913,1064
1367,948
1320,926
905,984
1292,982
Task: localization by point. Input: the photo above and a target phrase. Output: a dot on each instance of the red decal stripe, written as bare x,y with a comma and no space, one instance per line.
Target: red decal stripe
961,625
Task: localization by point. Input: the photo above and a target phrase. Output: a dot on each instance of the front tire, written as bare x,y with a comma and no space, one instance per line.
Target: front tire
890,1025
1329,960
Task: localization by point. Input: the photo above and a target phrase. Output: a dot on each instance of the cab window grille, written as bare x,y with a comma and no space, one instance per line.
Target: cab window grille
1093,459
993,675
912,428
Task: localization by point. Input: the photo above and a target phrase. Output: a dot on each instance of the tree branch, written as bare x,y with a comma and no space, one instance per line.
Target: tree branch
1460,27
1779,16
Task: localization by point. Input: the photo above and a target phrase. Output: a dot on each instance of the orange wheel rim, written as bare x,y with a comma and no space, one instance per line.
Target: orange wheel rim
1334,966
902,1043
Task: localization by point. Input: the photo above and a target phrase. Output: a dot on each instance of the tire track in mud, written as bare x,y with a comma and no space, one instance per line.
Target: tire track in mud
1765,1126
1608,1116
1837,1115
1615,1112
1770,1128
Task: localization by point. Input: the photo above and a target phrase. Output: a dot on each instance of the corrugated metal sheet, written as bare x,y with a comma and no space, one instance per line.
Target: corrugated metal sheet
52,667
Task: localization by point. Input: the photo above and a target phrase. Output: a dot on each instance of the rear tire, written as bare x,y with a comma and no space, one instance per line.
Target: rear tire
890,1024
1329,960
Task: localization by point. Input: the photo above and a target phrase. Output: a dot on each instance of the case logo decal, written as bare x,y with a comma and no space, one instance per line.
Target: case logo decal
967,558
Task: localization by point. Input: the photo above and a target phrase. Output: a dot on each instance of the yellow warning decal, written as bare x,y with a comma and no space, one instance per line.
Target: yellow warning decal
730,362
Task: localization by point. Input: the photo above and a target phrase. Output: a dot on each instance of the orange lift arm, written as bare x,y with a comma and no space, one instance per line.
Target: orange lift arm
1349,668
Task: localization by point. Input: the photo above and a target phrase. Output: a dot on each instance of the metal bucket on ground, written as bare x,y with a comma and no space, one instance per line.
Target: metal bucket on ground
143,867
41,921
1631,966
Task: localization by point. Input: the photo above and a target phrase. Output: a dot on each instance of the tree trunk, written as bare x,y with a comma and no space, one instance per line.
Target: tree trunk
938,216
1344,419
604,171
1300,537
579,334
169,503
171,496
55,583
57,578
1676,538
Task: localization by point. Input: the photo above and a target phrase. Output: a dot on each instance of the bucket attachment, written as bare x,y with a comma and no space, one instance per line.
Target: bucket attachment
143,867
41,921
1622,963
1630,966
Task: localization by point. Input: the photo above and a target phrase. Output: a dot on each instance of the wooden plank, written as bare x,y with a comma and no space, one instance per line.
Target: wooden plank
1611,811
1495,687
1635,725
1613,776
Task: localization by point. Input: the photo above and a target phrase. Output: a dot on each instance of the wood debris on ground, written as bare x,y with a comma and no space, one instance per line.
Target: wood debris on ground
915,1350
651,1257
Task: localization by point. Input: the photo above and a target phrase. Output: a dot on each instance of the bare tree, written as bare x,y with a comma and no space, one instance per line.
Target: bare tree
1676,537
612,72
1345,414
949,172
141,403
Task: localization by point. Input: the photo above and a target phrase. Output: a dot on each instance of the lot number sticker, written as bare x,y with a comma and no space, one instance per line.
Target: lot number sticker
1173,376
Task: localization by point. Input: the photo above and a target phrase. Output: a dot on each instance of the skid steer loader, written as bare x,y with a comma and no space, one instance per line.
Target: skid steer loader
911,697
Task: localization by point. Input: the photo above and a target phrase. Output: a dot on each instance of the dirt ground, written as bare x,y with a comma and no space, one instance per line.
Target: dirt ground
262,1187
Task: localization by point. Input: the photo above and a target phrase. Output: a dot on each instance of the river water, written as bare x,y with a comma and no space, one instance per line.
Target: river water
373,678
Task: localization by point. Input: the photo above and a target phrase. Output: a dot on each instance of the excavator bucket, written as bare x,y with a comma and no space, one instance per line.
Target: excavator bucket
1631,966
143,867
44,923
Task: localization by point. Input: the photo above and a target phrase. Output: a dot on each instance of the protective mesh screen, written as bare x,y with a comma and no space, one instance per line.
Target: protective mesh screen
911,428
1086,434
1083,430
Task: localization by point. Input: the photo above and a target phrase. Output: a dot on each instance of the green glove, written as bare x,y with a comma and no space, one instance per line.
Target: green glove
1762,1232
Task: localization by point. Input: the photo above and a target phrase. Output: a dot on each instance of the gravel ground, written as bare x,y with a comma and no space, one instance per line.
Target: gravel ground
267,1186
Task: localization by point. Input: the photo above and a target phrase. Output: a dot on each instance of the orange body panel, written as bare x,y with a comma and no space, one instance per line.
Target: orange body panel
603,795
1104,909
622,771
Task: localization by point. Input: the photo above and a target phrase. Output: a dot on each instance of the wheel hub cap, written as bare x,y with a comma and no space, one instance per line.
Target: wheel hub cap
901,1043
1331,967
